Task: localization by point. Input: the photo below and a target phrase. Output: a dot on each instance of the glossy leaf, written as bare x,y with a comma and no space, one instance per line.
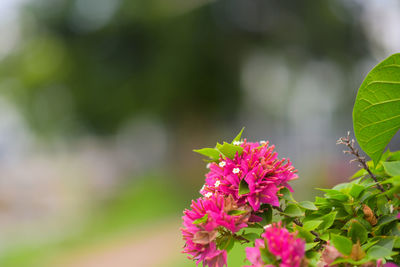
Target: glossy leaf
378,252
357,232
243,187
251,236
308,205
237,212
229,150
293,211
356,190
311,225
392,168
212,153
201,220
226,243
376,113
341,243
327,220
239,136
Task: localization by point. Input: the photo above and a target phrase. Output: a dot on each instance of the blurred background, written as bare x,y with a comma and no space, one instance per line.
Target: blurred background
102,102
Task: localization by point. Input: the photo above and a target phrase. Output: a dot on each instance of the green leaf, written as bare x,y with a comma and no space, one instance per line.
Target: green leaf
308,205
311,225
208,152
335,194
237,212
239,136
341,243
357,232
226,243
394,156
293,211
387,242
392,168
286,194
251,236
243,187
267,214
359,173
310,245
229,150
327,220
376,112
378,252
382,205
356,190
201,220
306,235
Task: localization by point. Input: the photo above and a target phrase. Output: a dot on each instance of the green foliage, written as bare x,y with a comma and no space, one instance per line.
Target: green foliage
293,210
226,243
229,150
201,220
376,113
308,205
243,187
212,153
225,150
358,218
343,244
238,137
392,168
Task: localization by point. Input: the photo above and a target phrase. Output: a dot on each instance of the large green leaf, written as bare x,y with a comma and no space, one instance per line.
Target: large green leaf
292,210
357,232
376,113
392,168
341,243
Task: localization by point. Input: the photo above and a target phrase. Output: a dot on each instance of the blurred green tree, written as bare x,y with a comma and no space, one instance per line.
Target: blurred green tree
92,65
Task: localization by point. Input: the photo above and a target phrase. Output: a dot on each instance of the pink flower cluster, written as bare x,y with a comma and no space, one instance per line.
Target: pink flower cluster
283,245
261,170
202,225
223,210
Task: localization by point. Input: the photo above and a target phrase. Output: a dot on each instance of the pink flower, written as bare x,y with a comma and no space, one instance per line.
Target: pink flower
254,254
261,170
328,256
280,243
202,224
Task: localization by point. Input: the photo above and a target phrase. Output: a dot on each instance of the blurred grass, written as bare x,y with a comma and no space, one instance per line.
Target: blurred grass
142,200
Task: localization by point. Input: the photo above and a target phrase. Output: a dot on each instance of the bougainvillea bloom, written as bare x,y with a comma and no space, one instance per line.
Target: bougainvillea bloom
257,168
202,225
284,245
253,254
287,249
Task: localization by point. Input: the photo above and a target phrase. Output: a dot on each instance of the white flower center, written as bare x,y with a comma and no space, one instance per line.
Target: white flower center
236,170
209,194
217,183
263,142
208,165
222,164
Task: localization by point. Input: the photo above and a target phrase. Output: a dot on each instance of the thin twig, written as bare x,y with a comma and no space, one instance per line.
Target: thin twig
354,151
241,239
297,221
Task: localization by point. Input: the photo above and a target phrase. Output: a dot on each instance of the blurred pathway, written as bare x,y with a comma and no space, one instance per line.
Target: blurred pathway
152,246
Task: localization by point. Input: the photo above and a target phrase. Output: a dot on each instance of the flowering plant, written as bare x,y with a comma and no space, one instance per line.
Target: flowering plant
247,200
